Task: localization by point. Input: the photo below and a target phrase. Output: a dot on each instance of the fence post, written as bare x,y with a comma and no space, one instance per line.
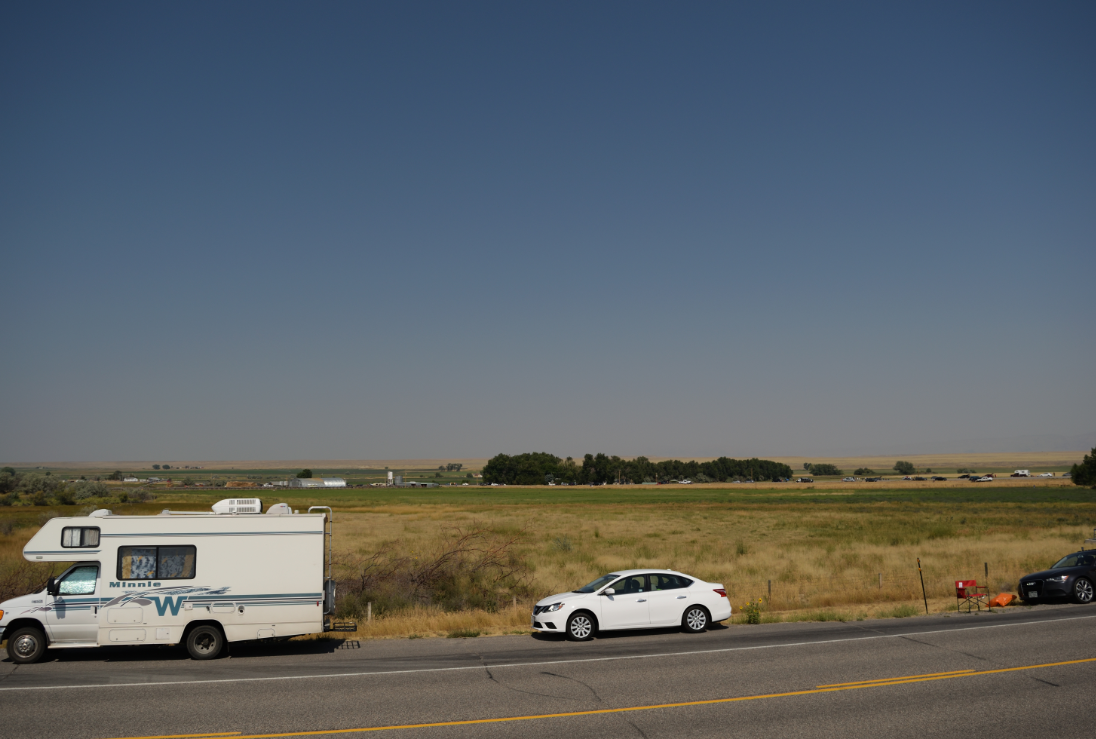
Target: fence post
369,612
922,576
987,573
880,580
770,589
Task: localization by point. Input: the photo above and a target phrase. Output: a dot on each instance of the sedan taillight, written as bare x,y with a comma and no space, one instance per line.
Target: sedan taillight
722,592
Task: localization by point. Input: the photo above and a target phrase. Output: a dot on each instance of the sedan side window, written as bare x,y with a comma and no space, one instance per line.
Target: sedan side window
633,584
79,581
668,582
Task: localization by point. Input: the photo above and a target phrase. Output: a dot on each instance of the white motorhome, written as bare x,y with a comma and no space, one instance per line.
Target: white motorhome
196,578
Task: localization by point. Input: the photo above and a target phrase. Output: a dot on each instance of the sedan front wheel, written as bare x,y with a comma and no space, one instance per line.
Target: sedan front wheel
1082,591
580,627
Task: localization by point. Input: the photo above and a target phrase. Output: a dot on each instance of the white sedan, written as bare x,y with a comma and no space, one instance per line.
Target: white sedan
633,599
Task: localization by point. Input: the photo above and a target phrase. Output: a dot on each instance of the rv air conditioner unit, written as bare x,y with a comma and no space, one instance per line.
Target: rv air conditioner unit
238,505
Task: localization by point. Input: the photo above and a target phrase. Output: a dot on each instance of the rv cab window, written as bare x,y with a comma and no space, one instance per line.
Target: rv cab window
156,563
80,537
79,581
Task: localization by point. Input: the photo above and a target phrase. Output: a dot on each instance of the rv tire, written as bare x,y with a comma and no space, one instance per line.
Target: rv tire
26,645
204,642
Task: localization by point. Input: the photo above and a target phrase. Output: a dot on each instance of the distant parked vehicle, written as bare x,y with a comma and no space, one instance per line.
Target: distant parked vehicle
937,478
987,478
1068,474
919,479
803,479
1021,473
849,479
1046,474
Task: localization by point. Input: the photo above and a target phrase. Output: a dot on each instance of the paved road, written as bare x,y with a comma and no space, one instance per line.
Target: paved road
1023,670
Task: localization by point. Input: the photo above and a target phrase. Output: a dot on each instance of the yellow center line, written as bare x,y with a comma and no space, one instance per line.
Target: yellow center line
599,711
892,679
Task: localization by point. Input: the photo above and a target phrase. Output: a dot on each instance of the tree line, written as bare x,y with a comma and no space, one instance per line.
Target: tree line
539,468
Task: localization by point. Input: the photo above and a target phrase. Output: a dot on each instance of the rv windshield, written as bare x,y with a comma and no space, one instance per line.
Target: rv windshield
597,584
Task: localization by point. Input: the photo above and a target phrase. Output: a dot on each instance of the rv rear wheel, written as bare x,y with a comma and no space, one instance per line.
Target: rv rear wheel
205,642
26,645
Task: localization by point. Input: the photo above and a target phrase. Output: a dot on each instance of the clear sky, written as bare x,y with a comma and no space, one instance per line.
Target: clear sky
409,230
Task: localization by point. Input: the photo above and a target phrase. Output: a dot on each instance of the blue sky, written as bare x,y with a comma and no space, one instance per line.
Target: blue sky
364,231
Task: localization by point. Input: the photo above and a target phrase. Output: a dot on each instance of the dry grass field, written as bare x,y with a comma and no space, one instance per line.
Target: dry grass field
828,561
827,551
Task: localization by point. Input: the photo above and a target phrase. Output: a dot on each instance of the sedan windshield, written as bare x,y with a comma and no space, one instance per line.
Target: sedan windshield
597,584
1075,560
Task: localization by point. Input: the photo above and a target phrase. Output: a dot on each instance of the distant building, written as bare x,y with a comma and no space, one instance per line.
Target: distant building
317,482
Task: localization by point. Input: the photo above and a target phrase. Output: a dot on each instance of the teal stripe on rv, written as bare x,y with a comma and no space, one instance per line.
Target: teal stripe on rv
212,533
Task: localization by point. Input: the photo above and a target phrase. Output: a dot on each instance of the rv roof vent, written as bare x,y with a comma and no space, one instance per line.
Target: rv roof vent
238,505
279,509
99,513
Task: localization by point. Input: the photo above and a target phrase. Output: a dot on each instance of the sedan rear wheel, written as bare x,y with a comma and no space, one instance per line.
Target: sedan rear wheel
580,627
1082,591
695,619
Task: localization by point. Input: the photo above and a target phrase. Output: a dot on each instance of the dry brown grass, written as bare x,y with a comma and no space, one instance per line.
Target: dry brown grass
821,558
831,558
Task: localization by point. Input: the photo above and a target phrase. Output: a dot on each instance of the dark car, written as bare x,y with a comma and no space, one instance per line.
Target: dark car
938,478
804,479
1070,577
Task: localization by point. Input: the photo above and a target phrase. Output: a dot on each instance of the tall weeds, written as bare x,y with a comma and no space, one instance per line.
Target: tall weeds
463,568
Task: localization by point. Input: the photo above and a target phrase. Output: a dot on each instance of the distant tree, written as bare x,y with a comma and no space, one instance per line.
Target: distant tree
155,466
864,472
904,468
116,475
1085,472
441,467
825,469
928,470
305,474
807,466
437,474
469,475
166,466
9,470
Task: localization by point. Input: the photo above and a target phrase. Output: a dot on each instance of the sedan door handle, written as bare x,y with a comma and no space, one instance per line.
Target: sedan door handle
681,597
641,600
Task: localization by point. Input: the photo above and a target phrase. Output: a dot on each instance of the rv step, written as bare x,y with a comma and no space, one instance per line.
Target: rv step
349,626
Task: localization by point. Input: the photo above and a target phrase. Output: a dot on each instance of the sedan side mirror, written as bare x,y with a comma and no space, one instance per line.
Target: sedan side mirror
608,591
51,586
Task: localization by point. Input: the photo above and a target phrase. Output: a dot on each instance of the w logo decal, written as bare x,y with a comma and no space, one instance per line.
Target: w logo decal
168,602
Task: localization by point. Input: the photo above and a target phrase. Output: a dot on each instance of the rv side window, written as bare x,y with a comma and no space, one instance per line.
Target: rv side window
156,563
79,537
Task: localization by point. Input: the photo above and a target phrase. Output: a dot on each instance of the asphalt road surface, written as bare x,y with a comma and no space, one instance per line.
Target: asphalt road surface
1021,672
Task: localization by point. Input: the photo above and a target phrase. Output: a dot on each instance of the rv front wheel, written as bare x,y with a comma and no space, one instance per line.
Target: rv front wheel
26,645
204,642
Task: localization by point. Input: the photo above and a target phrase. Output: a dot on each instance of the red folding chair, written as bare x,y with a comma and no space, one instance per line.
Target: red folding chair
968,592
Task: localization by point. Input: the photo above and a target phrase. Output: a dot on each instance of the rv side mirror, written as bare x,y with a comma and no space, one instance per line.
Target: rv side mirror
608,591
51,586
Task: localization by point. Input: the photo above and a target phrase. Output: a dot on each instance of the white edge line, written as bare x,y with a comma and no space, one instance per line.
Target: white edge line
536,664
